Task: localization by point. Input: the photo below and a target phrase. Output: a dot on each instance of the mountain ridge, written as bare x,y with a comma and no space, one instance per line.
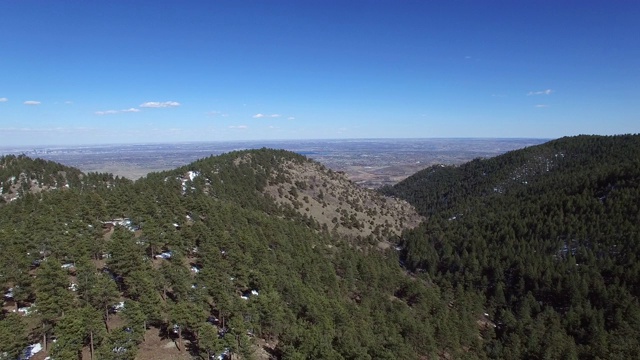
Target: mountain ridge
201,255
547,234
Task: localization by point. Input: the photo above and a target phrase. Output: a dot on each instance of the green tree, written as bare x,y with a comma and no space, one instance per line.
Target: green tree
209,341
53,297
126,255
13,335
79,327
136,318
103,295
118,345
185,316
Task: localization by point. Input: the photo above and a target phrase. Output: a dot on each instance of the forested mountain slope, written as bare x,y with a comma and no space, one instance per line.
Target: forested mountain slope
299,188
549,235
20,175
202,256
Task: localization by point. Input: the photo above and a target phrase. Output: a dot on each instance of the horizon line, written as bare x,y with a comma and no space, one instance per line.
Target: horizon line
264,141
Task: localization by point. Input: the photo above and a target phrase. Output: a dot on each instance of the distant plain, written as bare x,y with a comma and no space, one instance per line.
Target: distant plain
369,162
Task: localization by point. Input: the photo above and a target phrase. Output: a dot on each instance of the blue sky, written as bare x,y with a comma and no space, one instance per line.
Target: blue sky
90,72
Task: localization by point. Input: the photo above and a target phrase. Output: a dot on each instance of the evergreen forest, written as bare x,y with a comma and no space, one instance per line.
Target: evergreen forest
548,236
528,255
96,266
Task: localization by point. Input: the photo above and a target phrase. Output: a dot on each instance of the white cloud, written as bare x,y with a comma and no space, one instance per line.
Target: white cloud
110,112
238,127
68,102
31,102
291,118
542,106
157,104
541,92
106,112
258,116
4,99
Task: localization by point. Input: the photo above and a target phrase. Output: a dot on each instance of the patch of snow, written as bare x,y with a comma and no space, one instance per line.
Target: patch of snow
25,310
193,174
118,307
31,350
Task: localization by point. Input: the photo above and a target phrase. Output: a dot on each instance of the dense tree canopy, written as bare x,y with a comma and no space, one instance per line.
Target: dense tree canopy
202,255
532,254
549,235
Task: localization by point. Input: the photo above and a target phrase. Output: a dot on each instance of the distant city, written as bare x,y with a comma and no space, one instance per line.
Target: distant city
368,162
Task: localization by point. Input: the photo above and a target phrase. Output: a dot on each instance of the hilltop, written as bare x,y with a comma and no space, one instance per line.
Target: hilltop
207,260
297,185
21,175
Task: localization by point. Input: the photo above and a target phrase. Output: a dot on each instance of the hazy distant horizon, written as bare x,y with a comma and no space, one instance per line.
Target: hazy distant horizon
4,149
375,161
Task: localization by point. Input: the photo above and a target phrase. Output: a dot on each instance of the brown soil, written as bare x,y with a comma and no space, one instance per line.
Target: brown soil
333,200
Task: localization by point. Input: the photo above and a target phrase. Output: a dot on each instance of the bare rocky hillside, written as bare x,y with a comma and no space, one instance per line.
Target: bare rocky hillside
333,201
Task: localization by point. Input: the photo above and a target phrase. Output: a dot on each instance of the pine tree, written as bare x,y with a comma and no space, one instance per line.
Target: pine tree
79,327
185,316
136,318
103,295
53,297
13,336
209,341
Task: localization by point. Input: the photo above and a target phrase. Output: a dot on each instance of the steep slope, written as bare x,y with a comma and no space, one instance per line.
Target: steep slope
21,175
201,261
549,235
441,187
326,199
